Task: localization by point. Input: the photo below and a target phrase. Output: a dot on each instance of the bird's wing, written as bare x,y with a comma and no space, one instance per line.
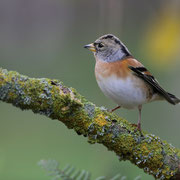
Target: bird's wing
144,74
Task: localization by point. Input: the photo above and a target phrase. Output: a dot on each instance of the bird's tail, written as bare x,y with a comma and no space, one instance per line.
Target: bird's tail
173,99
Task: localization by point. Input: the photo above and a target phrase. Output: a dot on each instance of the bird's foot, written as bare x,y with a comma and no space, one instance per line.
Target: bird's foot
112,110
138,128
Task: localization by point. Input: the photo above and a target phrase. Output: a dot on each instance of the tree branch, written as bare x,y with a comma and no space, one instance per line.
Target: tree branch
53,99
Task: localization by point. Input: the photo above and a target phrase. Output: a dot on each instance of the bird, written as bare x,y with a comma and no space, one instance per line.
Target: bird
124,79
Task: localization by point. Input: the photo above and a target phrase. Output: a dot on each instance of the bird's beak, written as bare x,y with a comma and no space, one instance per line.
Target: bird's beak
91,47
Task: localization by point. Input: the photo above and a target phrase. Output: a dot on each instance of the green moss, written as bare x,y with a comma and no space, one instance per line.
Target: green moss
53,99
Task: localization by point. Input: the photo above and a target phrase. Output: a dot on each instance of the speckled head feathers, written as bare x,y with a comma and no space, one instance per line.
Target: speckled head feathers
109,48
110,37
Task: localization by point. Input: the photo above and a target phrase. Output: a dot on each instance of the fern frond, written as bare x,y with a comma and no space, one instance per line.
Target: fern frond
116,177
82,175
123,178
76,174
70,173
137,178
87,176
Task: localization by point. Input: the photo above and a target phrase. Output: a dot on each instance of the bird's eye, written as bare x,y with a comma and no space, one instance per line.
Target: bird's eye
100,45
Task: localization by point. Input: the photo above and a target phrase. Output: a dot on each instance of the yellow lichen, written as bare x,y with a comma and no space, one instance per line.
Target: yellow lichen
100,120
11,94
65,108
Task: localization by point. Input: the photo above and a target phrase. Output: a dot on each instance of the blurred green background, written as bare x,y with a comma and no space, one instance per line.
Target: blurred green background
45,38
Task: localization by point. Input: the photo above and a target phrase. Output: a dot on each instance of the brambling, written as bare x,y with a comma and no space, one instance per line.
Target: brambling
124,79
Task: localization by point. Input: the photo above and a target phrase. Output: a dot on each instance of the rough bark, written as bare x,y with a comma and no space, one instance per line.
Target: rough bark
51,98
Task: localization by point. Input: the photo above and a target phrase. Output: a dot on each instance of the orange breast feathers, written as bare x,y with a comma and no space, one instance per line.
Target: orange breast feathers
118,68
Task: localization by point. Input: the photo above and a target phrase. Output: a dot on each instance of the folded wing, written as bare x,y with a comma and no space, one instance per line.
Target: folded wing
145,75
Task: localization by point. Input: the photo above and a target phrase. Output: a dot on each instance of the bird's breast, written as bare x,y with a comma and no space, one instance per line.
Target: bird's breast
122,86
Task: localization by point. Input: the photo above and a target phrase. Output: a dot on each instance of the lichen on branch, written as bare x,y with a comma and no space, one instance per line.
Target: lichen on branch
51,98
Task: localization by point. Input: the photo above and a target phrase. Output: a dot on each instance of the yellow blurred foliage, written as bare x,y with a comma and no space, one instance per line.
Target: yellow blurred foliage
162,39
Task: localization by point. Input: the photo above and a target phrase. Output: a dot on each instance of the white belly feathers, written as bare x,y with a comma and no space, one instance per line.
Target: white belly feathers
125,92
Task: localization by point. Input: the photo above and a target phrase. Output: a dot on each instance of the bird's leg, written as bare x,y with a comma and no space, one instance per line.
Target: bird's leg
117,107
139,120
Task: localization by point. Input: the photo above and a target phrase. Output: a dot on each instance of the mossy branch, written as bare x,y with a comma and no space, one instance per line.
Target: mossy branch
53,99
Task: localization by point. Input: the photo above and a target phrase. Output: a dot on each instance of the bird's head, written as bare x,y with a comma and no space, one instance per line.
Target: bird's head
108,48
